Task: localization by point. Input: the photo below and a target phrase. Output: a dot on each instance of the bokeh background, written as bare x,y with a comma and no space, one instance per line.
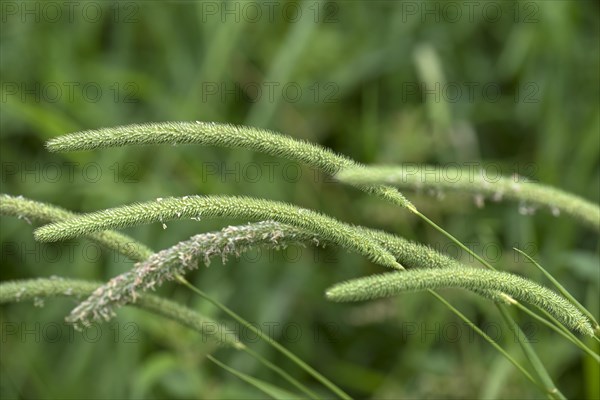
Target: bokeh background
511,86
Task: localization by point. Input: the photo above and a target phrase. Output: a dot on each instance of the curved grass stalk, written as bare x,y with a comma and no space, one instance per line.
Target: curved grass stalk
231,241
27,290
167,264
35,211
477,183
55,217
161,210
221,135
477,280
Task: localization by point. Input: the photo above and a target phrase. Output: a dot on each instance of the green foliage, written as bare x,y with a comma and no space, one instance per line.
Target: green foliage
293,224
305,224
152,60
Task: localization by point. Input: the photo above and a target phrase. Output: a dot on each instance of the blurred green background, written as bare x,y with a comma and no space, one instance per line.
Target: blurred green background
512,86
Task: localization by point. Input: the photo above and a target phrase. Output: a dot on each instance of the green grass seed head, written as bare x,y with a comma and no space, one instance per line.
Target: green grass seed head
162,210
473,279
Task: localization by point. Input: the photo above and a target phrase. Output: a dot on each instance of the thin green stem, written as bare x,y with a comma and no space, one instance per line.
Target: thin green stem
558,328
562,290
491,341
281,373
455,240
267,388
326,382
569,333
550,388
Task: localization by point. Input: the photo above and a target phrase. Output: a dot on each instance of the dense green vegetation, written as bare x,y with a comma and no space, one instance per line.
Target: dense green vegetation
381,82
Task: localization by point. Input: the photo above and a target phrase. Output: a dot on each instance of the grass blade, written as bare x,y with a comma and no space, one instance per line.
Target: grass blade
266,388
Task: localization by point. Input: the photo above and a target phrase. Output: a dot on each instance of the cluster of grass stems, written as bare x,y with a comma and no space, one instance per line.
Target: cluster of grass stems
275,225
